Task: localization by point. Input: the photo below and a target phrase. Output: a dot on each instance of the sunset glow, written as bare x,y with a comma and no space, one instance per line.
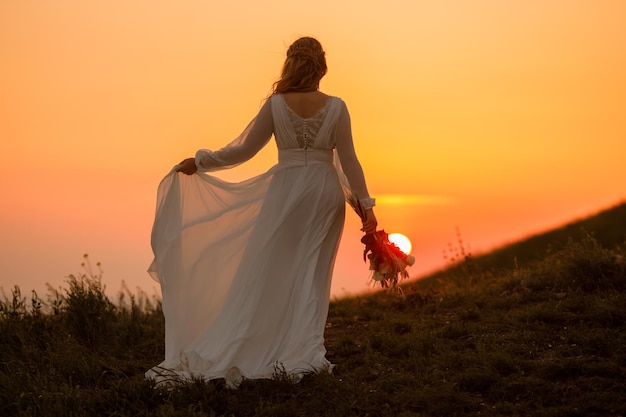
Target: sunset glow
499,118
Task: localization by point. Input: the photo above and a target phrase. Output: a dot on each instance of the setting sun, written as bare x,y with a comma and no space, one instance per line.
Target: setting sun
401,241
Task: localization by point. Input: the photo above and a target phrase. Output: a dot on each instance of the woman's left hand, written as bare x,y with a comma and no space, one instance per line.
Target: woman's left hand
369,223
187,166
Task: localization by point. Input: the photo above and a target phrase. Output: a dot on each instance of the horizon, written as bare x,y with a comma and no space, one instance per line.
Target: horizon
94,268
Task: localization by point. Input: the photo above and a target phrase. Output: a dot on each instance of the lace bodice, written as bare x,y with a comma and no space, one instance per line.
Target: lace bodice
307,129
316,132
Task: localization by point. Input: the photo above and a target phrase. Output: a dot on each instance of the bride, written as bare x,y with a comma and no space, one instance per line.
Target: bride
245,268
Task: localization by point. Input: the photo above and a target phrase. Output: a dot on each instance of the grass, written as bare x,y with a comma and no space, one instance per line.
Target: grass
542,337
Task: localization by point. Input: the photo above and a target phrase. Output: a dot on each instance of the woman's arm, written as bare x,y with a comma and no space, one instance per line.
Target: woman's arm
352,169
245,146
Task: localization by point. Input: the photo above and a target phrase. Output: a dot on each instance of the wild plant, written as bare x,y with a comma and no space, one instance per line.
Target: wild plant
461,265
88,312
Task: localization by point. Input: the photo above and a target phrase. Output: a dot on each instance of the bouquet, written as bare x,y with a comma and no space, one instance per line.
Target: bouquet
387,261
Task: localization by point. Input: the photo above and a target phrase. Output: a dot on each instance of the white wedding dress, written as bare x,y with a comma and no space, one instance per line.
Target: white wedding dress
245,268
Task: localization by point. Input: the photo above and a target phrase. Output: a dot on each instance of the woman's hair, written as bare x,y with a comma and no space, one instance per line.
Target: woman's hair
304,67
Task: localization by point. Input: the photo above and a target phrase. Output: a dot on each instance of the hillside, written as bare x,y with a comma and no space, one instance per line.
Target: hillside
488,337
608,228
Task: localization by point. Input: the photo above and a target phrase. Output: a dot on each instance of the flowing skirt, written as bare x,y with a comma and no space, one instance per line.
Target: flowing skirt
245,271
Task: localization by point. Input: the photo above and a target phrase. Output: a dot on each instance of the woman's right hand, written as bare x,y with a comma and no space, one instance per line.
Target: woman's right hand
369,223
187,166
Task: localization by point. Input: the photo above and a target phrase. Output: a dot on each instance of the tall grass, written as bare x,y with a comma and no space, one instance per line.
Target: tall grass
543,338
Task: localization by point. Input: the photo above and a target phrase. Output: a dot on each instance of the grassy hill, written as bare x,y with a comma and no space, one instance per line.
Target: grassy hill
543,336
608,228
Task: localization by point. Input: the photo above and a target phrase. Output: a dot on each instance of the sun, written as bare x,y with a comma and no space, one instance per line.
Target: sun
401,241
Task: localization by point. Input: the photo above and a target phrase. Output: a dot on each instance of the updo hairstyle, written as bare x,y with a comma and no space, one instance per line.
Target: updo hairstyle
304,67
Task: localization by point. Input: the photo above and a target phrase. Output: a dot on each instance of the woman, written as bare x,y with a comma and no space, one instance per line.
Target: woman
245,268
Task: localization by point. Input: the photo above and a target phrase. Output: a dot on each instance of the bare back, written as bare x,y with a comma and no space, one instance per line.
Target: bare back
306,105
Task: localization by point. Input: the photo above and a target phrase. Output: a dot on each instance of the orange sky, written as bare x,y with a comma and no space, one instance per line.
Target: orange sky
501,118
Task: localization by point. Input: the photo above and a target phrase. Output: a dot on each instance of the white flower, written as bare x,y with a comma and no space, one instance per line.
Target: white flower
377,276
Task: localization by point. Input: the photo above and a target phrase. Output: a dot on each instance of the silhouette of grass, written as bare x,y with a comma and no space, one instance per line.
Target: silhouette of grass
540,337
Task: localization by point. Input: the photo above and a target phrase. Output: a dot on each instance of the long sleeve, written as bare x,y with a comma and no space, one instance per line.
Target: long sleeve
254,137
350,164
